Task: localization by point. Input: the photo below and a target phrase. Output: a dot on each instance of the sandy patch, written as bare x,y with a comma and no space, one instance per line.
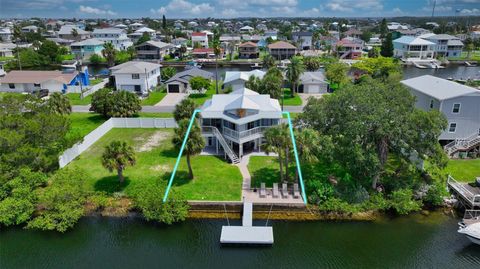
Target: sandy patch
153,141
161,168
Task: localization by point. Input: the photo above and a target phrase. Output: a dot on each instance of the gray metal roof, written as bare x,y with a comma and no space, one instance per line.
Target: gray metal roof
438,88
134,67
157,44
185,76
312,77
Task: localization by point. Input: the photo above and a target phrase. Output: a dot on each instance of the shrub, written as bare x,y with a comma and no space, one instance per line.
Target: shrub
199,83
320,191
337,205
96,59
115,103
168,72
403,203
435,194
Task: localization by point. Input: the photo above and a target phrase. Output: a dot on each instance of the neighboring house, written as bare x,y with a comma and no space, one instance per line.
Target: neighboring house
353,33
207,53
5,34
303,39
179,41
200,38
6,49
327,42
246,29
459,104
237,79
153,50
29,81
68,32
413,48
2,71
116,36
282,50
233,124
446,45
30,29
136,25
180,82
349,48
313,82
86,48
136,76
248,50
135,36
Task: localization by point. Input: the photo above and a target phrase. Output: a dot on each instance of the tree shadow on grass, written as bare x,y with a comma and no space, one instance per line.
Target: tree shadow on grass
181,178
169,153
267,175
111,184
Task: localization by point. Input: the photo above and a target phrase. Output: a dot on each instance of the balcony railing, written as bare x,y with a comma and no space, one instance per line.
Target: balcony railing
244,134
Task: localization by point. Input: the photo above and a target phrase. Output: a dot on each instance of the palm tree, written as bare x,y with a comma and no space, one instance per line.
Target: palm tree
307,141
184,110
216,50
117,156
131,52
59,104
195,142
268,61
294,71
109,53
74,33
277,140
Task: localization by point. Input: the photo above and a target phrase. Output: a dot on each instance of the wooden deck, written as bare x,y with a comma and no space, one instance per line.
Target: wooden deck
469,195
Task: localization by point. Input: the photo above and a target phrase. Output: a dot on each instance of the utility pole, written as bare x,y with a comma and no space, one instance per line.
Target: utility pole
433,10
18,56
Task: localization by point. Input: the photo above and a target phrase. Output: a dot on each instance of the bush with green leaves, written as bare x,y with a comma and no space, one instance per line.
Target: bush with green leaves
111,103
62,202
435,194
168,72
403,203
150,201
320,191
96,59
199,83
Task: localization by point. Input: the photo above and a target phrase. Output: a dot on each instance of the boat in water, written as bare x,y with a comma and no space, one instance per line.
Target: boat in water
470,64
470,226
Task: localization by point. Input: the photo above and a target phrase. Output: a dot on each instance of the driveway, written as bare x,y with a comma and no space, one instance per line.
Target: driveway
171,99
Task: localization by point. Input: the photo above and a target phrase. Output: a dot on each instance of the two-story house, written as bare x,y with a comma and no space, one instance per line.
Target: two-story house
282,50
248,50
86,48
136,76
446,45
233,124
237,79
303,39
5,34
72,32
413,48
459,103
349,48
200,38
116,36
153,50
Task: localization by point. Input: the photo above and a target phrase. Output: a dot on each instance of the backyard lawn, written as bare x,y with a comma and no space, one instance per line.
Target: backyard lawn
76,101
464,170
153,98
288,100
84,123
266,169
155,114
215,179
199,99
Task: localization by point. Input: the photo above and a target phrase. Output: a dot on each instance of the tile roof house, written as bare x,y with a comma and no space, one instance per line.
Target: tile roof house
29,81
349,48
153,50
200,38
282,50
136,76
459,104
180,82
248,50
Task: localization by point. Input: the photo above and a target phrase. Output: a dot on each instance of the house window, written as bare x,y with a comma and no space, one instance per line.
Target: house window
11,86
452,128
431,103
36,84
456,108
135,76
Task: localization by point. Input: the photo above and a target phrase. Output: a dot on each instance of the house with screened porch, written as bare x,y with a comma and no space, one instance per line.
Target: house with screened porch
233,124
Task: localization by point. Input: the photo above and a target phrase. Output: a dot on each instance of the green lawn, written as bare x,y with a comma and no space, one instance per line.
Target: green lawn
464,170
95,81
288,100
153,98
266,169
76,101
474,56
155,115
199,99
84,123
215,179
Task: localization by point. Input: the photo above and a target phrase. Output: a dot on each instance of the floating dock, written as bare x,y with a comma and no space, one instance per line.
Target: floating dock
247,234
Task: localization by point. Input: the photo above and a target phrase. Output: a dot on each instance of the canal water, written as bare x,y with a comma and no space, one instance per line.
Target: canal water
408,242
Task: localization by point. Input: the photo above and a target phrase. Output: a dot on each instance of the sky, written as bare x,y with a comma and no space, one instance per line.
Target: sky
233,8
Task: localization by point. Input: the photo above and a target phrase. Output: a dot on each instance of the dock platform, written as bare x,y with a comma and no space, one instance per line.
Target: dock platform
469,195
247,234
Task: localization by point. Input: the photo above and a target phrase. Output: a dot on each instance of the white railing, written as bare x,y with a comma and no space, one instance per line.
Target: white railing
244,134
213,130
462,143
472,198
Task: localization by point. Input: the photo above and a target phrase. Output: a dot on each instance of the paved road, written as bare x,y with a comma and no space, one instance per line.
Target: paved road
154,109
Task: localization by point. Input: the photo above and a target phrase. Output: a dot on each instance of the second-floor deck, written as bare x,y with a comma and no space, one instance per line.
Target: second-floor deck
238,136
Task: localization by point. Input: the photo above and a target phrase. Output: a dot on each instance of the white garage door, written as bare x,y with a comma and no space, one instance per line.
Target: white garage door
313,89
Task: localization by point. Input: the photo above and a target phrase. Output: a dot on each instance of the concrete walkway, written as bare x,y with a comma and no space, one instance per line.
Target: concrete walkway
171,99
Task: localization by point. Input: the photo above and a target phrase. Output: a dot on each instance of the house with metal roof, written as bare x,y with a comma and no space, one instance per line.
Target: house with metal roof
31,81
282,50
237,79
153,50
233,124
459,103
86,48
180,82
446,45
413,48
116,36
136,76
73,32
313,83
303,39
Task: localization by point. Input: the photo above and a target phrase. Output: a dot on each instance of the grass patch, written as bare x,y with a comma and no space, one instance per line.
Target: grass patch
465,170
288,100
266,169
215,179
95,81
155,114
199,99
293,115
76,101
84,123
154,97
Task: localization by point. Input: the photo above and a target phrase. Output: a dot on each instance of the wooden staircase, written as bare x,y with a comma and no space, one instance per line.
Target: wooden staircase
230,153
462,144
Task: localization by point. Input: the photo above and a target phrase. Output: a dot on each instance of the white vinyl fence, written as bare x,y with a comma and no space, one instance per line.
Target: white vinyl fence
73,152
87,90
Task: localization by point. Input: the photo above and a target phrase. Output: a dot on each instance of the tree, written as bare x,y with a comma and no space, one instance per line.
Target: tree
49,49
294,70
217,51
184,110
336,73
270,84
380,67
268,61
131,52
164,22
386,49
199,83
96,59
195,142
144,38
117,156
312,63
372,119
277,140
74,33
366,35
168,72
115,103
109,53
383,28
59,104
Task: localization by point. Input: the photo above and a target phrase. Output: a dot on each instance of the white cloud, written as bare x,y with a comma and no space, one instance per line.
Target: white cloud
353,5
473,11
95,11
185,8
